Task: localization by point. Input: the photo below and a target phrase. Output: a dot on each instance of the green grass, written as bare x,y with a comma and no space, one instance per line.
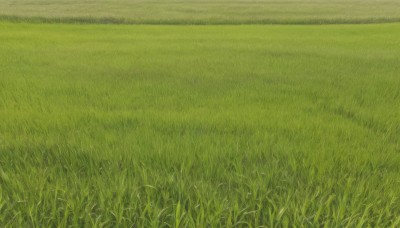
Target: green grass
202,11
199,125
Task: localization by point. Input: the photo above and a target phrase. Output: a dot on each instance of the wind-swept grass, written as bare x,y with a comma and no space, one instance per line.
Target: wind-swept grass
199,125
202,12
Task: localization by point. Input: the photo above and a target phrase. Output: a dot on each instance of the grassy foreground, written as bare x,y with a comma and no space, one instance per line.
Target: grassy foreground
199,125
202,11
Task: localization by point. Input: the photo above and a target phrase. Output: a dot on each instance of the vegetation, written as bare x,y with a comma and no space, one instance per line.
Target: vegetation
202,11
254,125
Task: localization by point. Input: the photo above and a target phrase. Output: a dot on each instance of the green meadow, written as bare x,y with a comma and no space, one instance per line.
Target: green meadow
201,11
198,125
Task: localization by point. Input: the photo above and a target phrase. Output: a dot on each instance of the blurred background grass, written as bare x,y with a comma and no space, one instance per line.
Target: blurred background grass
201,11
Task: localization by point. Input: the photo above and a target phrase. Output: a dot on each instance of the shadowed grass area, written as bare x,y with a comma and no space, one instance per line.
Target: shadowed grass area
199,125
202,12
111,20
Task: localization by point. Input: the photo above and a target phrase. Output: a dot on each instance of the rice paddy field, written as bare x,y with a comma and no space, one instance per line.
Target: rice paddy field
221,125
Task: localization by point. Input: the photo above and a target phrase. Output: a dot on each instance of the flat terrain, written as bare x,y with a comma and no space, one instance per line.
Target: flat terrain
202,11
105,125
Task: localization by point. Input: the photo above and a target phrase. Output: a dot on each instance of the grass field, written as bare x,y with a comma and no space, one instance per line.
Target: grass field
119,125
202,11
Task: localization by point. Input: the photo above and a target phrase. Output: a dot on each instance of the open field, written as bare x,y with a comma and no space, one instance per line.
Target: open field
202,11
107,125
